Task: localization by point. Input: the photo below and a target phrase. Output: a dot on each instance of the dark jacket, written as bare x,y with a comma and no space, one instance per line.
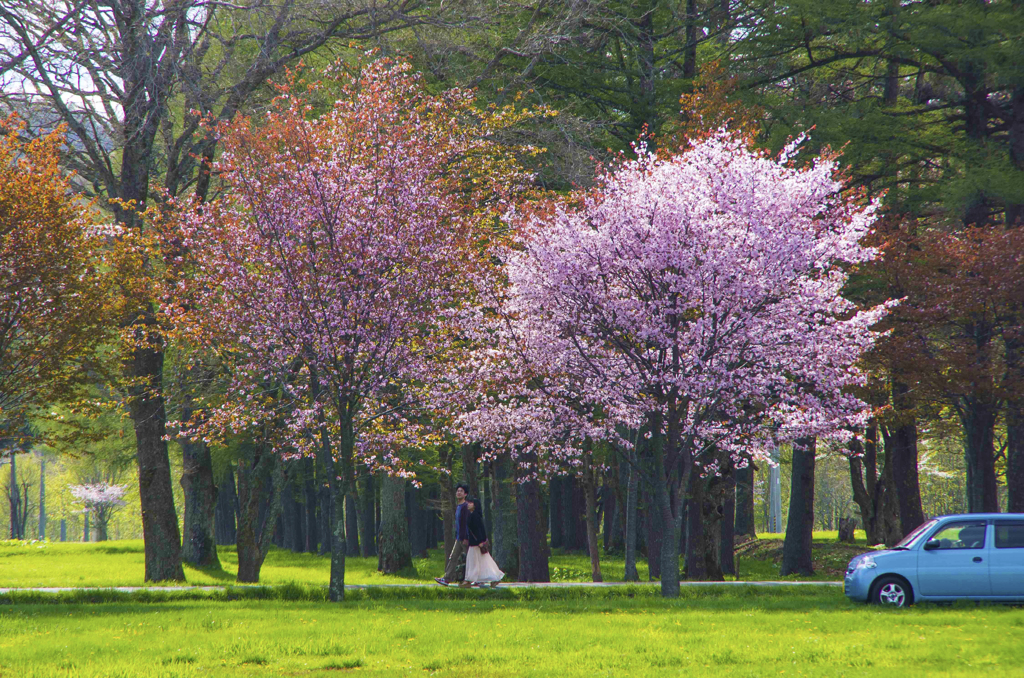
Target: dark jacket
461,511
477,531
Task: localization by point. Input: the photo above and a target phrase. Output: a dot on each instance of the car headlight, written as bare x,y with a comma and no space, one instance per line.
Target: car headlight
867,564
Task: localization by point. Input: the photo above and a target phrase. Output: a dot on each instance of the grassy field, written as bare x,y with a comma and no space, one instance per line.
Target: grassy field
121,563
708,633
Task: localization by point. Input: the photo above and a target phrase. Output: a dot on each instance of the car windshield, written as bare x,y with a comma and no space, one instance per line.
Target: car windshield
909,540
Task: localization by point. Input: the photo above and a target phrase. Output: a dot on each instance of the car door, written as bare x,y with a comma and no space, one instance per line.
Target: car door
959,565
1006,564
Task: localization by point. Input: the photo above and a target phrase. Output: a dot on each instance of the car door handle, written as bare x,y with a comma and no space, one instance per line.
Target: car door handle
977,559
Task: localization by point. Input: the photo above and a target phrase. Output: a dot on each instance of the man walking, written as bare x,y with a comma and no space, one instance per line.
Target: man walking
451,572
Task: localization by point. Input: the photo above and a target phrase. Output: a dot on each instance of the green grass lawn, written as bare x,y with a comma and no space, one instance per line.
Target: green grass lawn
121,563
707,632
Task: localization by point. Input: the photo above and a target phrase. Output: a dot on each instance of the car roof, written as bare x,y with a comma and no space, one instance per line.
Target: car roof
981,516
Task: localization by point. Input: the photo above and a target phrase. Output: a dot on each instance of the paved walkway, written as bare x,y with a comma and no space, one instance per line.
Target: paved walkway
518,585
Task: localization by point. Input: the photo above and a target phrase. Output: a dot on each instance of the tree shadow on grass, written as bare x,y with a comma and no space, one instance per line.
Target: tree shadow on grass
215,572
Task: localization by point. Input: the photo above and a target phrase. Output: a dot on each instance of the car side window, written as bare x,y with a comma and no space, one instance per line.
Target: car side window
961,536
1009,535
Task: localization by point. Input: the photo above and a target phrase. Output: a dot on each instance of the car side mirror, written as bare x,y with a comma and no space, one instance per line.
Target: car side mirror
932,544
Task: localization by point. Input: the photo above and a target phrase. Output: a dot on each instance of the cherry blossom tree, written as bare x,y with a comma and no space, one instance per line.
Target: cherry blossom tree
329,274
696,297
100,501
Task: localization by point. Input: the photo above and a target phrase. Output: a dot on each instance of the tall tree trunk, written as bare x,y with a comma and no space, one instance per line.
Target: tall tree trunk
351,525
576,516
904,459
865,502
260,476
504,513
797,556
367,524
226,510
446,460
979,421
470,453
42,497
696,529
611,505
690,51
393,547
654,529
745,528
863,460
533,548
199,546
1015,456
1014,408
85,527
556,524
727,544
160,534
416,520
14,500
297,517
590,494
632,517
326,518
312,530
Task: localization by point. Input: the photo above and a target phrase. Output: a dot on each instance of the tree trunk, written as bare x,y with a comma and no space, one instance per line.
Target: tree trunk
14,501
727,547
556,524
696,531
42,497
1015,456
504,514
797,555
612,508
863,481
1014,408
85,527
312,530
670,521
533,549
367,525
632,517
226,510
416,522
326,517
351,525
470,453
745,528
654,531
260,476
904,459
576,516
297,529
161,538
199,546
393,547
979,421
590,494
690,51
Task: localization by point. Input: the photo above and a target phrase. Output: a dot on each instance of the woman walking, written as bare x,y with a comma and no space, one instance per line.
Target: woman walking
480,566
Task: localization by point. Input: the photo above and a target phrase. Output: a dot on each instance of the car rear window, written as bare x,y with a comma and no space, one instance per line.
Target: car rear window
1010,535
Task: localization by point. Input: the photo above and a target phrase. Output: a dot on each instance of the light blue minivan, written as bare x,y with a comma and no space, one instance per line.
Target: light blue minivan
977,556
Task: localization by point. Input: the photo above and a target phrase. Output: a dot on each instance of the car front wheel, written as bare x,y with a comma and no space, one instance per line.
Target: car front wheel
892,592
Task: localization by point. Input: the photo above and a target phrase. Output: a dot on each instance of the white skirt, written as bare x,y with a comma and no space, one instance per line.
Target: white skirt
480,567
